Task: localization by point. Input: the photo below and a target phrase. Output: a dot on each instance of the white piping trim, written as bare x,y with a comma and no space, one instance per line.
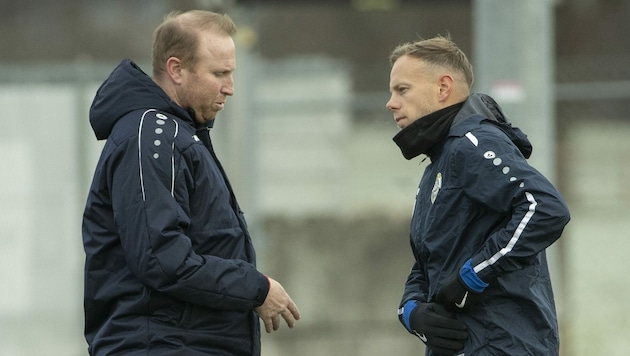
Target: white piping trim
517,234
173,159
140,151
140,155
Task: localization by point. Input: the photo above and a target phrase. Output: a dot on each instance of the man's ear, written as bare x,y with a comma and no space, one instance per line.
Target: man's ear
446,86
174,69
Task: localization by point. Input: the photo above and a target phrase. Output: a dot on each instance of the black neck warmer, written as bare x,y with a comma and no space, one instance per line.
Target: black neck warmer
419,137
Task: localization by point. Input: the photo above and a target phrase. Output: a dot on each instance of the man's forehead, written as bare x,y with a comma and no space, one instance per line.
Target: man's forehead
408,63
406,68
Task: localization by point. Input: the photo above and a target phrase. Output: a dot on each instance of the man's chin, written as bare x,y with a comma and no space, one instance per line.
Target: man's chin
401,124
209,117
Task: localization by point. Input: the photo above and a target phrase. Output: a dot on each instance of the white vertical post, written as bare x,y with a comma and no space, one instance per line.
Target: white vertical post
513,58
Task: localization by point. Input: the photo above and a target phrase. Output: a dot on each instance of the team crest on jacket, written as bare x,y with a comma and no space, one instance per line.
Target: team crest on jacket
436,187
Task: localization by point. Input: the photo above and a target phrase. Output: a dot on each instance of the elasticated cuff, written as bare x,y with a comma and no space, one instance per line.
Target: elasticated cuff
470,278
405,313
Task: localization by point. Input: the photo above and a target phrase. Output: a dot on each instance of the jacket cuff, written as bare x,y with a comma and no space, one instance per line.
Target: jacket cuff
404,313
265,285
471,279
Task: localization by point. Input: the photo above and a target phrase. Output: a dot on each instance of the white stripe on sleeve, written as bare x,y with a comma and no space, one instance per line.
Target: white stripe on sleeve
517,234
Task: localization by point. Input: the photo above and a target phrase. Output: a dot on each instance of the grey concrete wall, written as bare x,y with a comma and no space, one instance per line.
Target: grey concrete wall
597,240
347,277
40,223
344,269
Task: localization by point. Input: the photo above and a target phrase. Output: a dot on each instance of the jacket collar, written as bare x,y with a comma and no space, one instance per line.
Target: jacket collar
481,108
426,132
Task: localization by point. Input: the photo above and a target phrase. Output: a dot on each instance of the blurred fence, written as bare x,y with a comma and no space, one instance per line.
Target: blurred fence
287,143
328,197
41,194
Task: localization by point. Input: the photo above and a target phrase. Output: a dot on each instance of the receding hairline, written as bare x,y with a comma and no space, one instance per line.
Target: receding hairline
198,19
414,48
432,67
437,52
180,33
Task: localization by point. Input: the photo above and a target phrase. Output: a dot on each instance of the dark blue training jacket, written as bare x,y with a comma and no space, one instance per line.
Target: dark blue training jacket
479,199
170,266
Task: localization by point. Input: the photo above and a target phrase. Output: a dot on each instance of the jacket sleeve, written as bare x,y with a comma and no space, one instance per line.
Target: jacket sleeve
152,224
416,291
493,173
416,286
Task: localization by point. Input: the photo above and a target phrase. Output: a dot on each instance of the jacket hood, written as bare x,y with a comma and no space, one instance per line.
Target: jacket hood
484,105
127,89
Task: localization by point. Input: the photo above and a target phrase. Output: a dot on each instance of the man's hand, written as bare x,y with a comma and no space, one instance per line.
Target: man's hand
278,303
461,290
455,296
438,329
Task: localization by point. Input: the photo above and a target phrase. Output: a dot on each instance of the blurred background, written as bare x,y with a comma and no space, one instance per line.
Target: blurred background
307,143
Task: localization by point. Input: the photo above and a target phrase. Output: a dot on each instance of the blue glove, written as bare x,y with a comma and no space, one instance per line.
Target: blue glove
461,290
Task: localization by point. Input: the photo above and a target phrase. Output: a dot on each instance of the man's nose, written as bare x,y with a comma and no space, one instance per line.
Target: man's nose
228,87
391,104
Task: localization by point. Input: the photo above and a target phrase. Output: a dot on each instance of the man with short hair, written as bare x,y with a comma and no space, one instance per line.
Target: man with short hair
483,216
170,267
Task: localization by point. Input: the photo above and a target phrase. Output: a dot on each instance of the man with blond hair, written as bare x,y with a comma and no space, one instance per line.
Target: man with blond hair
483,216
170,267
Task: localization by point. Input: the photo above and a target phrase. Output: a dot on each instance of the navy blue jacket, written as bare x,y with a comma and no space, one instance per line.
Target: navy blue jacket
170,266
479,199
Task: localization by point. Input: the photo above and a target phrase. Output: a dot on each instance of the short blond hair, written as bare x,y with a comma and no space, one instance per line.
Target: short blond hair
178,36
440,51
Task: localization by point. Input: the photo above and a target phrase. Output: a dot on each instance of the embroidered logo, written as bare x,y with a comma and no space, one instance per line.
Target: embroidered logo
462,304
436,187
422,337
